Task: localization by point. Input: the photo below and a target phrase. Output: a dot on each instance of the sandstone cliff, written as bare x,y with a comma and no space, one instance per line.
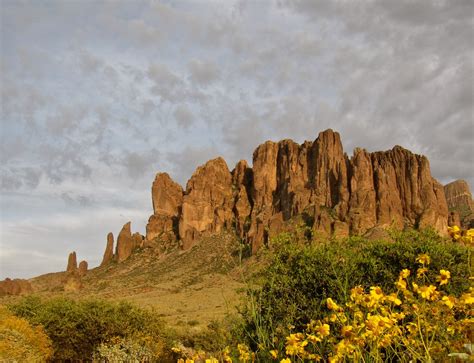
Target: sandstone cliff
337,194
460,203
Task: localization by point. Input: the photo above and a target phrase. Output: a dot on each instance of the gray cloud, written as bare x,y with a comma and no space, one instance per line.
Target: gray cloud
203,72
96,97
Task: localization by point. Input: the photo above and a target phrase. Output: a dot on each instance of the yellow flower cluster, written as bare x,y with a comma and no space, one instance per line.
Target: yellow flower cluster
458,235
419,321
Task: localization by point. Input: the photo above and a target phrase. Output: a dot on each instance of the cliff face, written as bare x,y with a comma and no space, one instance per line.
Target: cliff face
460,203
339,194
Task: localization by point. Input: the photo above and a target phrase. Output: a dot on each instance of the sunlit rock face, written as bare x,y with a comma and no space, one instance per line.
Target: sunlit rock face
333,193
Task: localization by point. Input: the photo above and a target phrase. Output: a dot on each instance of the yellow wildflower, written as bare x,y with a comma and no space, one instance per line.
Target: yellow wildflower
444,276
244,352
401,284
295,344
331,304
285,360
356,293
427,292
346,331
421,272
274,354
449,301
467,298
376,293
424,259
394,299
405,273
323,330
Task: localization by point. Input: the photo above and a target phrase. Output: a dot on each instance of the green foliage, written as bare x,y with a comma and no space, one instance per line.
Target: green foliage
300,277
77,328
20,342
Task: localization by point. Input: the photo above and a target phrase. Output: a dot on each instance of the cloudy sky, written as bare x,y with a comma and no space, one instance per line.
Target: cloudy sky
97,96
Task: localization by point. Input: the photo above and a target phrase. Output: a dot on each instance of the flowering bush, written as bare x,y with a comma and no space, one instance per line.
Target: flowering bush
464,236
418,322
20,342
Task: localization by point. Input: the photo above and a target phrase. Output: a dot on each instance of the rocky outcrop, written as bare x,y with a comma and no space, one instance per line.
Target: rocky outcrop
72,262
333,194
15,287
460,203
406,193
82,269
167,197
242,178
109,250
127,243
207,203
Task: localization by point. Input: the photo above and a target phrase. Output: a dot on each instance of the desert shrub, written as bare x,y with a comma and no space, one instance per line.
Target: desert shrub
77,328
20,342
300,278
419,322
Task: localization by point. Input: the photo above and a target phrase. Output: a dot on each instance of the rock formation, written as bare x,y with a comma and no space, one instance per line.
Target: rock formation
316,181
207,202
71,262
127,243
460,203
15,287
82,269
109,250
167,197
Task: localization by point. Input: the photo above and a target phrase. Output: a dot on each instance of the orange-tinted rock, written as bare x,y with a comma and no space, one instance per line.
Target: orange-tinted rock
335,195
328,170
125,243
109,250
167,197
71,262
263,188
454,219
15,287
207,203
459,199
406,193
242,177
362,202
82,269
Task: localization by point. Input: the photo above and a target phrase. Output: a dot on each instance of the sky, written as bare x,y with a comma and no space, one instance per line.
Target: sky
98,96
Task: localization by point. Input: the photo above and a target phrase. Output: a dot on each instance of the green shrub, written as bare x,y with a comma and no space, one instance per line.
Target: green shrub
77,328
300,277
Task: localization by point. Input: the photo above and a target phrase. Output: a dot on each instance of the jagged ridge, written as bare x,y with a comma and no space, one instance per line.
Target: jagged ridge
341,195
